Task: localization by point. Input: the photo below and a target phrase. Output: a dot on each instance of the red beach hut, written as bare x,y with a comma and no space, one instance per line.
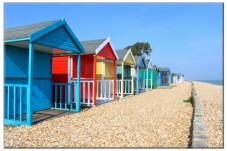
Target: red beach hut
98,71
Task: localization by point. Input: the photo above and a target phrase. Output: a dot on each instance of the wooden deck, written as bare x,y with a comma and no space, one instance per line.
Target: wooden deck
43,115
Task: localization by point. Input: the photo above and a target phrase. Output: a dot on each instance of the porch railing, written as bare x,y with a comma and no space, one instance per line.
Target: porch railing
104,89
15,104
87,92
127,89
118,86
64,96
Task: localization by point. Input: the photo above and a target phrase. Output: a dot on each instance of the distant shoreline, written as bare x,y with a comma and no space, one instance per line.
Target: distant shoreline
215,82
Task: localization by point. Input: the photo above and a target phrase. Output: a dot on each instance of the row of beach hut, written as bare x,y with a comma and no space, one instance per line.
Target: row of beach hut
47,67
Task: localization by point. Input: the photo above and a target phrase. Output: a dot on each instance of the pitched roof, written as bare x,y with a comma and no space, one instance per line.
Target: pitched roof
121,54
140,61
147,62
90,46
25,31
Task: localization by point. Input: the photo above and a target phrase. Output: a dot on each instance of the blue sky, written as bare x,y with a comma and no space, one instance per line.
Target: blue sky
187,37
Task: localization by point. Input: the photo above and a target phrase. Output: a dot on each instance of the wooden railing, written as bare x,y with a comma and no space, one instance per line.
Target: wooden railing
64,96
16,100
104,89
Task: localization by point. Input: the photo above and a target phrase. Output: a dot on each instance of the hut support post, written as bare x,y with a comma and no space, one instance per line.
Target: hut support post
147,80
169,78
78,85
94,80
132,79
30,83
122,79
137,80
115,79
151,78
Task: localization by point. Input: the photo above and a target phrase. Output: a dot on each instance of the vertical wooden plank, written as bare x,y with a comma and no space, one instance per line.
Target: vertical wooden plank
88,98
78,84
14,103
122,78
66,85
30,83
75,92
101,94
94,80
60,96
137,80
84,97
97,90
125,86
8,103
105,90
115,79
147,80
56,95
109,88
21,109
132,83
70,96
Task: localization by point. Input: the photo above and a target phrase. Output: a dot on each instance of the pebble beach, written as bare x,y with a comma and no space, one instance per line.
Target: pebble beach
159,118
211,97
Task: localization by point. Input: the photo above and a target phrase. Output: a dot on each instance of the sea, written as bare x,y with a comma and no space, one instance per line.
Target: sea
216,82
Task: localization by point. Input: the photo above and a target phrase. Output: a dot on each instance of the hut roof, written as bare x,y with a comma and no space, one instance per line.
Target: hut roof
54,37
121,54
90,46
140,61
25,31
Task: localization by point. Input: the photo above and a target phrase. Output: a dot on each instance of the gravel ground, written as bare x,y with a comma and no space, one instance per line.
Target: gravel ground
158,118
211,97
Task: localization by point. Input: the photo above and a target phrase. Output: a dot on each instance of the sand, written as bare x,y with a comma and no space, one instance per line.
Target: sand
157,119
211,97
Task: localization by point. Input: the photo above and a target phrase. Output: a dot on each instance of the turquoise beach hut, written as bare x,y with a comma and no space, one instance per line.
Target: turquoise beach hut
154,76
28,68
146,74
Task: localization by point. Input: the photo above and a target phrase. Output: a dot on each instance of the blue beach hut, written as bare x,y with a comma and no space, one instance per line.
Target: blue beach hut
173,78
163,76
28,68
140,74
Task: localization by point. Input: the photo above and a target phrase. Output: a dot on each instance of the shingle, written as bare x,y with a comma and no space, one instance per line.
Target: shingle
25,31
91,45
147,62
137,59
121,54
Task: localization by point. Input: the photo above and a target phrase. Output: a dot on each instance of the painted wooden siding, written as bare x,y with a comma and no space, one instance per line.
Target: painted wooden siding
119,68
129,59
60,69
59,38
86,69
16,71
99,70
107,52
109,70
127,72
154,78
142,73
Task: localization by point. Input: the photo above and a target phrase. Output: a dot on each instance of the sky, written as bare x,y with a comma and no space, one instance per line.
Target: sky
186,37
